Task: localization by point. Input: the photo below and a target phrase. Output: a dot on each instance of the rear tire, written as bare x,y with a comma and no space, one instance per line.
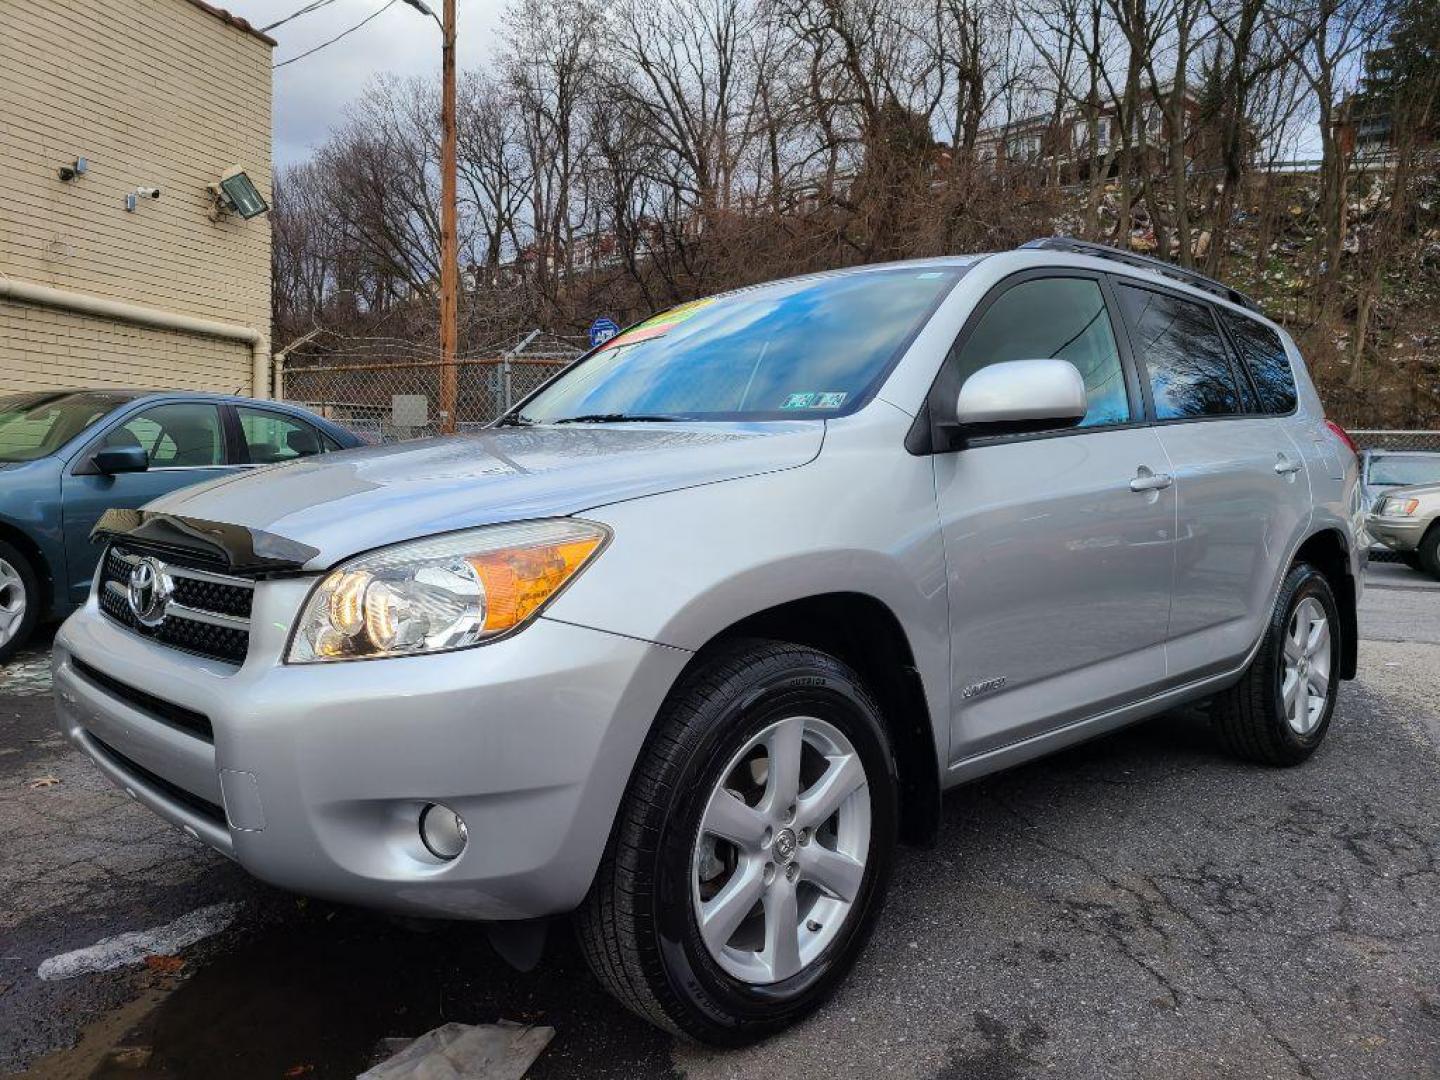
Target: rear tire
652,927
20,600
1428,551
1279,711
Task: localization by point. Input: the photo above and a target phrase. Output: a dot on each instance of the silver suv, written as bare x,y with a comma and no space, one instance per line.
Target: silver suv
693,636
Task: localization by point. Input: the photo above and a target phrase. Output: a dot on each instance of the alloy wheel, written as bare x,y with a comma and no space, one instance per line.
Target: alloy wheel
1305,676
780,853
12,602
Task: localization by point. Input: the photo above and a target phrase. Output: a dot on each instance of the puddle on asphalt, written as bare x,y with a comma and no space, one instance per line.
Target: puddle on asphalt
312,996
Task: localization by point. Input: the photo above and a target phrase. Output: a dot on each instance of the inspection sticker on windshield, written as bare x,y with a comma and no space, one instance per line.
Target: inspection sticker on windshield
831,400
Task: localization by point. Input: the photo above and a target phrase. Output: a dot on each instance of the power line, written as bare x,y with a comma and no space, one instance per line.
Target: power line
337,37
316,6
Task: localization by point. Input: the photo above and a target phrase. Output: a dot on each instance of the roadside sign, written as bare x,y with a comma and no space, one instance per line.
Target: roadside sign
602,330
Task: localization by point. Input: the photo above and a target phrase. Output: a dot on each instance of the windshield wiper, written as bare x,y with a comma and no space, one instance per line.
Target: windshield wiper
515,420
613,418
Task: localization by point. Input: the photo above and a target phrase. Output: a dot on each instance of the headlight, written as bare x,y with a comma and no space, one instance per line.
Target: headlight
443,593
1399,507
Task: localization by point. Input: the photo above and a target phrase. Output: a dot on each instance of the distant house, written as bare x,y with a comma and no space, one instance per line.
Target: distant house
1063,143
1364,126
122,261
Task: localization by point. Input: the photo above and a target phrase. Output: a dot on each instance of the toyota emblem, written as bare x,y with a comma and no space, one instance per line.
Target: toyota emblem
149,592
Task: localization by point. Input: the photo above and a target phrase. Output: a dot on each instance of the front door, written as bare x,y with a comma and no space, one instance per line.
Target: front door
1059,546
186,444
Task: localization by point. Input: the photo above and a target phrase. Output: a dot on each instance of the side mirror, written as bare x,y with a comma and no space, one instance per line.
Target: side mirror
121,459
1021,395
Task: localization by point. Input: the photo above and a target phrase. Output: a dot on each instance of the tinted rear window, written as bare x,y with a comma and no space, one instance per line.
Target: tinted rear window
1182,351
1264,355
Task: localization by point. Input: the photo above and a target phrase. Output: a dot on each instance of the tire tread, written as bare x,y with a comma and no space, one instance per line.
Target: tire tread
1243,715
616,922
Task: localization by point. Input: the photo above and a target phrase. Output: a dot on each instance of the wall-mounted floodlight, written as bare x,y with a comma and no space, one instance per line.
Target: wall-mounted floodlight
238,193
76,168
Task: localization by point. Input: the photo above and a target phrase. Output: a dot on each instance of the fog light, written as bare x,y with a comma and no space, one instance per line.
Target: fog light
442,831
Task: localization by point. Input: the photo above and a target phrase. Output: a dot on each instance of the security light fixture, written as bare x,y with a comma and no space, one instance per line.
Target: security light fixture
74,169
237,192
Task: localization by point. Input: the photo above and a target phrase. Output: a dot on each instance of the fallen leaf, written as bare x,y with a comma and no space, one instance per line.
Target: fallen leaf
131,1057
298,1070
164,965
42,782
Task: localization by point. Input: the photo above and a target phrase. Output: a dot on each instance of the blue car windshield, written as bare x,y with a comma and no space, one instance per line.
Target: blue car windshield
36,425
813,347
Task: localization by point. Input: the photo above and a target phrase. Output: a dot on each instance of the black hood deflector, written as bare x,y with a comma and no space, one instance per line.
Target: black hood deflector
235,548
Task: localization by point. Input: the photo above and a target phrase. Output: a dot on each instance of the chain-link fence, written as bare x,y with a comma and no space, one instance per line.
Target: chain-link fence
391,398
1396,439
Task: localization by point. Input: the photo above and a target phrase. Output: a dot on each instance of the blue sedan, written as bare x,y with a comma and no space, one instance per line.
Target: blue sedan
68,456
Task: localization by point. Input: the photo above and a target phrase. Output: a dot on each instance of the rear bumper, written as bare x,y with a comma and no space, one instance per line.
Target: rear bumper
316,774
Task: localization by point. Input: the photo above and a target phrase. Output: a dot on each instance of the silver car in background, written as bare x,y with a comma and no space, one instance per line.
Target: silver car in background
1381,471
697,633
1407,521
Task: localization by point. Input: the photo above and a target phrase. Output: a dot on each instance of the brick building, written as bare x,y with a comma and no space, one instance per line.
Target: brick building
102,283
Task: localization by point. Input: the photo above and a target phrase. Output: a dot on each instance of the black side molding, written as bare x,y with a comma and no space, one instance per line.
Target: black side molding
233,548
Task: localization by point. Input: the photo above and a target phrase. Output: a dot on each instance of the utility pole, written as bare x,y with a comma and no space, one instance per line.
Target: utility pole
449,229
449,240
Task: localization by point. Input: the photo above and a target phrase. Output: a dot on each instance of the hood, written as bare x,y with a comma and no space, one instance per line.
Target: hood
1413,491
347,502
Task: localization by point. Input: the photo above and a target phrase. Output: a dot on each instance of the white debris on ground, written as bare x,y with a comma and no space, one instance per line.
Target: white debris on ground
133,946
502,1051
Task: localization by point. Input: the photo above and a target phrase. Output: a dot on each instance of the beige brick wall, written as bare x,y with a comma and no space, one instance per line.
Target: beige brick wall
46,348
154,93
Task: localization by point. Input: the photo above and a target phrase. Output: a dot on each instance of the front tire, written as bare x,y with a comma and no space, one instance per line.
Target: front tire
1279,711
751,853
1428,552
19,600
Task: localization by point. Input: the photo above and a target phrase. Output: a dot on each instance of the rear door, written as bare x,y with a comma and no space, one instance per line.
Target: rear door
1244,494
186,444
1058,545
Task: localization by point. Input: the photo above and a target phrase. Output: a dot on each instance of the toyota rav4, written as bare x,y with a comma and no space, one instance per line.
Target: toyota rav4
693,636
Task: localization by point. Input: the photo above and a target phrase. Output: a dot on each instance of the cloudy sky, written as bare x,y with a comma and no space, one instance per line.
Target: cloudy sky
311,95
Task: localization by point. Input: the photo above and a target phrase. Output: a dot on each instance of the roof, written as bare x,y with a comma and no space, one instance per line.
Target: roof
234,20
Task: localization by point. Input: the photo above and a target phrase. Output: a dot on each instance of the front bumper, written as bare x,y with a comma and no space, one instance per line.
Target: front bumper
316,774
1398,534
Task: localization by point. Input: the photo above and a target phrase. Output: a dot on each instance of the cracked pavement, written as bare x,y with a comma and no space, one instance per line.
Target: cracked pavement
1140,906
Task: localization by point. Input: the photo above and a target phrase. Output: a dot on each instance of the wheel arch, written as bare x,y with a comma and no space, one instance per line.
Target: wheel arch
22,542
1328,551
865,634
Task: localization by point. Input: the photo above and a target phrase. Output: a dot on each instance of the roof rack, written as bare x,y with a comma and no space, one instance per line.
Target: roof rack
1143,262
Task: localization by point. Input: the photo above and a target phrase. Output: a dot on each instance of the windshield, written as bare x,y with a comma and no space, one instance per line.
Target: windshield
1393,470
35,425
814,347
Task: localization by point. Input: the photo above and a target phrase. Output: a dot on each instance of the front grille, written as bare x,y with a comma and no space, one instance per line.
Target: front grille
202,806
174,715
208,613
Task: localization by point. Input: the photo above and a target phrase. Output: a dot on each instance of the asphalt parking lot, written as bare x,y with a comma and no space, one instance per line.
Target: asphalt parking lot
1137,907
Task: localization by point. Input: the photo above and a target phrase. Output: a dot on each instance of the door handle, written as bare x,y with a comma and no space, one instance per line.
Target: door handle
1145,480
1284,466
